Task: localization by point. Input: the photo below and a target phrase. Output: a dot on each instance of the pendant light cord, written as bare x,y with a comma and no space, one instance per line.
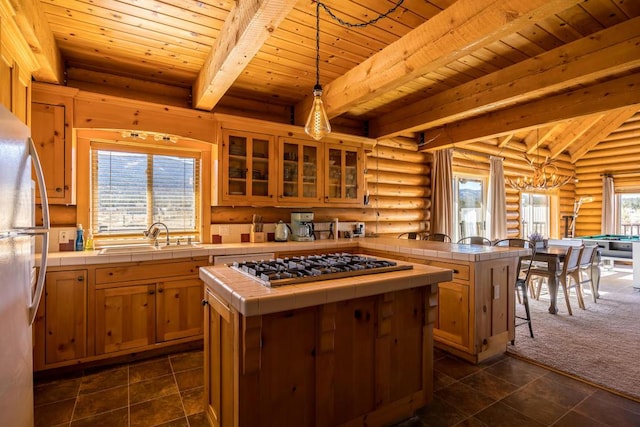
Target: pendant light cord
318,43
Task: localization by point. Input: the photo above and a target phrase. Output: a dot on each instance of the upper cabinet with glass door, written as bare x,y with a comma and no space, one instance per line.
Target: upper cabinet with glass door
343,175
299,178
247,165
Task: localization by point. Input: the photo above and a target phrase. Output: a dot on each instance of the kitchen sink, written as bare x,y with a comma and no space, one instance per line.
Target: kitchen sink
130,249
127,249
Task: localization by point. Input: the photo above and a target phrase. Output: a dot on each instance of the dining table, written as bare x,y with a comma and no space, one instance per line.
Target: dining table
553,256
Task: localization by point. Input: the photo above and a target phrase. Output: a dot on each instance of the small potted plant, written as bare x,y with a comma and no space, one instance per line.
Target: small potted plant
538,239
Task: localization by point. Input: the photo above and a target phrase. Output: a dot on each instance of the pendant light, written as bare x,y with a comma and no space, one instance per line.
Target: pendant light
317,125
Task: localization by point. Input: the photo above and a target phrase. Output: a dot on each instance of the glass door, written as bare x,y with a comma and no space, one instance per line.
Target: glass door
299,179
344,175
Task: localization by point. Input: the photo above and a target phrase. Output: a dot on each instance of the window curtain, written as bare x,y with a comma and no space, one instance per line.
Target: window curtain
497,200
608,224
442,197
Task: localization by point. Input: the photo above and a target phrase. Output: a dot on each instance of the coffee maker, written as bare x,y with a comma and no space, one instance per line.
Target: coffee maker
302,226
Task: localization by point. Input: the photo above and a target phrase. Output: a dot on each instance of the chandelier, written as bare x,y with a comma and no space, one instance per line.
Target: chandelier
544,176
318,125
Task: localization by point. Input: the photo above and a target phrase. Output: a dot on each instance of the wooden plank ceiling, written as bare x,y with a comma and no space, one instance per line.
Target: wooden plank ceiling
556,75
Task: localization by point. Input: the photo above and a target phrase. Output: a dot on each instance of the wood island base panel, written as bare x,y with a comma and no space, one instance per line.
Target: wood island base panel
343,352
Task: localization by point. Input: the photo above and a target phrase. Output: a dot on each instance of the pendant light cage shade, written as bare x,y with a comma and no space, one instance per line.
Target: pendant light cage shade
317,125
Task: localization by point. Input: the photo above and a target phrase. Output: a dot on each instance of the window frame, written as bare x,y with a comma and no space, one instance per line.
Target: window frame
457,176
114,140
553,213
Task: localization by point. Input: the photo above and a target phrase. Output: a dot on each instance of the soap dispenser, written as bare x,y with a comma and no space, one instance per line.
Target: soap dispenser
79,238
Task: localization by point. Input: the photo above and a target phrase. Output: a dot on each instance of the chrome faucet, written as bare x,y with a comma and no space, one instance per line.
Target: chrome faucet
153,232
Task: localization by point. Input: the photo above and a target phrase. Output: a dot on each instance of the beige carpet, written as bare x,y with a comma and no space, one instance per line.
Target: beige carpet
600,344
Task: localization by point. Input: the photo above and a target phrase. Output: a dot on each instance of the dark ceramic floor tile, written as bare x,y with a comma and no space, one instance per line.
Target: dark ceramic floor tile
441,380
57,390
501,415
439,413
535,407
185,361
439,354
54,413
581,387
489,384
198,420
411,422
574,419
516,371
471,422
465,398
618,401
149,369
157,411
104,379
455,367
559,392
101,401
152,389
190,379
193,400
117,418
180,422
601,410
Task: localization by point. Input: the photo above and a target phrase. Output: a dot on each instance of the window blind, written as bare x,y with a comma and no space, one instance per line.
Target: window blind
132,190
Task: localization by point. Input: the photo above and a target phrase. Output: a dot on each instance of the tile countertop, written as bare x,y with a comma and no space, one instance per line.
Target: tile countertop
419,248
250,298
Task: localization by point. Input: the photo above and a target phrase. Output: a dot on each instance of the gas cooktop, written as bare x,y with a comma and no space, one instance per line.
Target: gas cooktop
292,270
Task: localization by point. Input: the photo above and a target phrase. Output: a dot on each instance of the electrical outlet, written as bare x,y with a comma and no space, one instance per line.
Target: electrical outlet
63,237
224,230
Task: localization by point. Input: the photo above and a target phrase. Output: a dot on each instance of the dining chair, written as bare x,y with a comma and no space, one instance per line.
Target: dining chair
474,240
587,270
522,278
437,237
563,275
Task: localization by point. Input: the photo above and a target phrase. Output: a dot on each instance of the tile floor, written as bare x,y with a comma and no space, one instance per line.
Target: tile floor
168,391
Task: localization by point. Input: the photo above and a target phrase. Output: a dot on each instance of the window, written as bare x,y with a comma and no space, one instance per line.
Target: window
628,221
470,200
132,189
535,212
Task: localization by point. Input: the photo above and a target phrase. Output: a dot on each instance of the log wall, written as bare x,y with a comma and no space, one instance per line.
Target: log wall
618,155
474,159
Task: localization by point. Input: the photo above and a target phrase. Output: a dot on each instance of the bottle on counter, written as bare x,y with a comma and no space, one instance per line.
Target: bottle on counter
88,245
79,238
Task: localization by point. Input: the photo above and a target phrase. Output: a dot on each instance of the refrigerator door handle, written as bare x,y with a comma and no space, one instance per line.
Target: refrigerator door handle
44,231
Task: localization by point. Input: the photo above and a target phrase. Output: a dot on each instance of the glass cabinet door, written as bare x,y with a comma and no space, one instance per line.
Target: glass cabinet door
299,180
344,175
247,162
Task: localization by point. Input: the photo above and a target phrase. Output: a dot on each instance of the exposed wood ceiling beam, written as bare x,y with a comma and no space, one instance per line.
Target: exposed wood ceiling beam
463,27
607,52
571,132
607,123
245,30
612,94
539,136
30,19
503,141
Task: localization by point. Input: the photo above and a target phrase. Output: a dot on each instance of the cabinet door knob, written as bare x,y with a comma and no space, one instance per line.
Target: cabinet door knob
58,190
161,290
80,279
152,292
205,302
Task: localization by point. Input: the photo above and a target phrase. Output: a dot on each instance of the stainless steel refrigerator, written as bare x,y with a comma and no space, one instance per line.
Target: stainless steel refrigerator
20,290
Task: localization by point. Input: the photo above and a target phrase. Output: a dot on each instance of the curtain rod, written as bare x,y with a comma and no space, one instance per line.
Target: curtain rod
620,173
476,153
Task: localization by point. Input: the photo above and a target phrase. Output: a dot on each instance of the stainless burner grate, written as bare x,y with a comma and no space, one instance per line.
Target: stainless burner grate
286,271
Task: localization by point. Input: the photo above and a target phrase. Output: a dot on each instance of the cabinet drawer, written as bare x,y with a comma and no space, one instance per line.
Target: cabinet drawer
148,271
460,271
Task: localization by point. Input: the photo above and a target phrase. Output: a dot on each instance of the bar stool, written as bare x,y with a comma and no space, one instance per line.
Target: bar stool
475,240
438,237
522,279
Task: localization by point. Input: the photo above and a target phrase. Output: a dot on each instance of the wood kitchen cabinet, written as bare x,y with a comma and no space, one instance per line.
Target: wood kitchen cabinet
124,318
61,323
52,133
138,305
247,167
299,179
344,175
179,310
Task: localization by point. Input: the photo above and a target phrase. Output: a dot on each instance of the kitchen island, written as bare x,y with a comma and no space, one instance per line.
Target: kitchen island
346,351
